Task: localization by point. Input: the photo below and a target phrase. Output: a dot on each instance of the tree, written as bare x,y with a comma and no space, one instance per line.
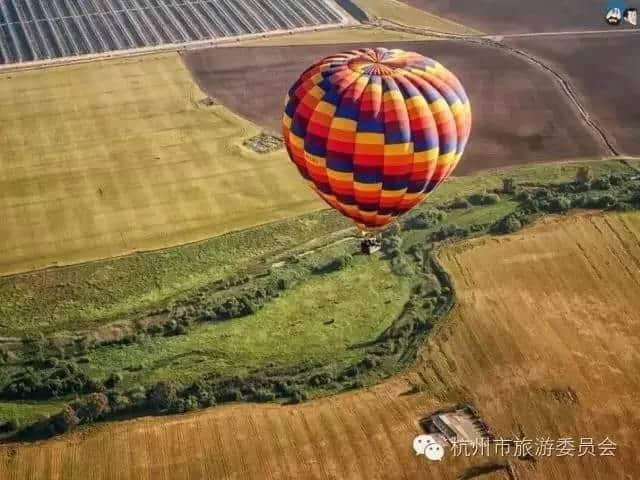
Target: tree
559,205
113,380
93,407
484,198
584,175
66,420
509,224
508,186
162,395
392,245
460,202
601,183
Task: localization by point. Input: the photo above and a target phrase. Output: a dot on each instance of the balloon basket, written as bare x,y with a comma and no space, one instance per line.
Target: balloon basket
370,245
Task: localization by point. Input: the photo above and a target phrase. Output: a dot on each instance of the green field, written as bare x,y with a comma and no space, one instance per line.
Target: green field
319,322
106,158
83,296
292,331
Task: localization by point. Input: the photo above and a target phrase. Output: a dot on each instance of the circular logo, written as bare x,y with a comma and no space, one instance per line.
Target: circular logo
614,11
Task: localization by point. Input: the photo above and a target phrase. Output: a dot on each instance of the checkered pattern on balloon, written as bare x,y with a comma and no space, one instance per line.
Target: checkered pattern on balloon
375,131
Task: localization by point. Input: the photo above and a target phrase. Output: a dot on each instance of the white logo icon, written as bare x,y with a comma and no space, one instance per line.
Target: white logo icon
614,16
426,445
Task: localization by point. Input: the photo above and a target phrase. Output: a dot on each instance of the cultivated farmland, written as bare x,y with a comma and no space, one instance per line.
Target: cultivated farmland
520,114
507,17
542,341
608,90
43,29
107,158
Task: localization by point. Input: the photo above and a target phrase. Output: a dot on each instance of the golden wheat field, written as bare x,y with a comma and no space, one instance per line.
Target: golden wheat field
105,158
401,12
543,341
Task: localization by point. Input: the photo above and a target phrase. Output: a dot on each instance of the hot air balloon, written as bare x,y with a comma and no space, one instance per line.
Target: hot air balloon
374,131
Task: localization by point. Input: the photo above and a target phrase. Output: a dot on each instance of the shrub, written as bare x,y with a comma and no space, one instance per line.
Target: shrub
508,224
282,283
460,202
431,285
524,196
162,395
320,379
191,403
9,426
401,266
559,205
92,407
119,402
51,362
426,219
392,245
154,329
64,421
370,361
599,202
542,193
601,183
263,395
417,253
579,201
484,198
584,175
46,384
339,263
448,231
616,180
230,395
113,380
297,396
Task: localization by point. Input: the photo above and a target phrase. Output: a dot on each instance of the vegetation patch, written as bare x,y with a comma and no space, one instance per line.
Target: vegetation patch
298,323
264,143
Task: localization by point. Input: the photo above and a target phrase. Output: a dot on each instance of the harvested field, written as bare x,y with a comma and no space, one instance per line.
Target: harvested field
400,12
507,16
520,114
103,159
544,342
609,90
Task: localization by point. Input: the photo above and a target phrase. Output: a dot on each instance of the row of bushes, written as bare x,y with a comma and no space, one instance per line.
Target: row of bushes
424,219
63,378
475,199
399,343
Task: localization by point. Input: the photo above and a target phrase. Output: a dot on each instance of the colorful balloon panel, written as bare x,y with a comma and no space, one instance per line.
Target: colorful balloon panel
374,131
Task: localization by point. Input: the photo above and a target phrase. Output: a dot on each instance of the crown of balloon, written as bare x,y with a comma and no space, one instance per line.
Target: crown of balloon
383,62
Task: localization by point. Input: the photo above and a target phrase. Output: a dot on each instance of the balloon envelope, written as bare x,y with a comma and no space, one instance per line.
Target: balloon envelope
374,131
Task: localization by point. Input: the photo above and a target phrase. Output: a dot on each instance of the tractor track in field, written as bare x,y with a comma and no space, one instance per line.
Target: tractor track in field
494,41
